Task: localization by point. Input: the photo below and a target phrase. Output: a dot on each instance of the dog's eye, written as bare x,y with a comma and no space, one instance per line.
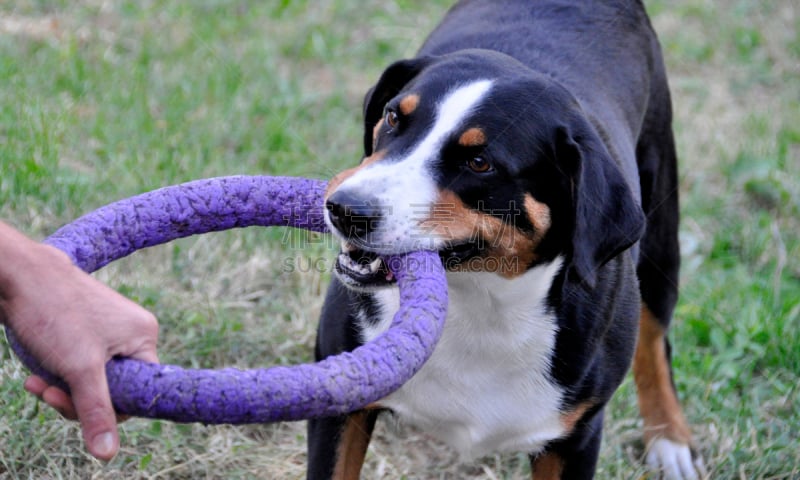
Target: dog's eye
391,118
479,165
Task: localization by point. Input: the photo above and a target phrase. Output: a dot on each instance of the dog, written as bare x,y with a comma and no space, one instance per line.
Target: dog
530,144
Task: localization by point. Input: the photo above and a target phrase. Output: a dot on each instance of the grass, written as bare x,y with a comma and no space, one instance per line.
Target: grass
103,100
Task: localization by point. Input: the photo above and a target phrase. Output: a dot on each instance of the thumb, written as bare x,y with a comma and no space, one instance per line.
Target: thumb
92,402
148,355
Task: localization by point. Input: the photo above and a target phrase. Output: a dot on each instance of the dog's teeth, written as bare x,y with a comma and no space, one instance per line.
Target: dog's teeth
349,263
345,260
347,247
375,265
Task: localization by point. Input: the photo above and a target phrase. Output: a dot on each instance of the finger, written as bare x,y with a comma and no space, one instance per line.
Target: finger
59,400
53,396
147,356
147,333
98,421
36,385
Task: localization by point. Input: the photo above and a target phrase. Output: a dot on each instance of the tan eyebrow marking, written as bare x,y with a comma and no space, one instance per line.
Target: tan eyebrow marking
473,137
409,104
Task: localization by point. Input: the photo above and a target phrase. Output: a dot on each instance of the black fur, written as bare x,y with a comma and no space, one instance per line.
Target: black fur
581,118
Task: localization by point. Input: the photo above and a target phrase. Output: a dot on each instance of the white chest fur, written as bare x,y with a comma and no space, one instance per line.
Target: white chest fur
486,387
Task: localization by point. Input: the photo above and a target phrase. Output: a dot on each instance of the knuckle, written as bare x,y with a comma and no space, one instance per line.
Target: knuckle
147,322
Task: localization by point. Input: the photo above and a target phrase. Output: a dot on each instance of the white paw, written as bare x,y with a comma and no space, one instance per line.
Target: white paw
674,460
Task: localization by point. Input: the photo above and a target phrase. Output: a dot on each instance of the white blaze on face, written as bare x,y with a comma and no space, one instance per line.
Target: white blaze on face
404,188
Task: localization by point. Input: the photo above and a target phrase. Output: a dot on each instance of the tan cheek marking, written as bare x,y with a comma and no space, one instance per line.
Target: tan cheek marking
539,215
658,403
450,219
547,466
352,447
474,137
409,104
511,248
509,251
340,177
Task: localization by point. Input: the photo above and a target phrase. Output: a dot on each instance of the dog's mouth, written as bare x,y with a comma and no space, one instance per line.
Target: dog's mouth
366,270
360,268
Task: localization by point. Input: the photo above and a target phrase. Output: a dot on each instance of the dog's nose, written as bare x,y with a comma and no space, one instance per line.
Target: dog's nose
353,216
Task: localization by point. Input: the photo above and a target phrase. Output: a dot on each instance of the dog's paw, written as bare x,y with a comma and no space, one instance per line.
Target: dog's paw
674,461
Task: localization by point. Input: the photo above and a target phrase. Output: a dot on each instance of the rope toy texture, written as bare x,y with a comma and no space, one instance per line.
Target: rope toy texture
336,385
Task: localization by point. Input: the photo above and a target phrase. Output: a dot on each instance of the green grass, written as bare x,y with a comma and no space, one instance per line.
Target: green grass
103,100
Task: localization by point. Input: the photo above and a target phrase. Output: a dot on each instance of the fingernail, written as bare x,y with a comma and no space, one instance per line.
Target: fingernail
104,444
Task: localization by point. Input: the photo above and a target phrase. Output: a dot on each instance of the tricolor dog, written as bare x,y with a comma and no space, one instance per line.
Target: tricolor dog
530,144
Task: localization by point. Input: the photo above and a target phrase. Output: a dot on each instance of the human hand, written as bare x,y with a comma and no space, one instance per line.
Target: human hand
73,324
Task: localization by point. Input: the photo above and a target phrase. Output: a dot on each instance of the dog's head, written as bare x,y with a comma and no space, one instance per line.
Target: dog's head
479,158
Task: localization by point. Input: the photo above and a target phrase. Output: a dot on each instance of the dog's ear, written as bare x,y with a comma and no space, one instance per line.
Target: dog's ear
608,219
392,81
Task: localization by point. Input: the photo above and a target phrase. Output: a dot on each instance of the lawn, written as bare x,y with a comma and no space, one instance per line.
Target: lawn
103,100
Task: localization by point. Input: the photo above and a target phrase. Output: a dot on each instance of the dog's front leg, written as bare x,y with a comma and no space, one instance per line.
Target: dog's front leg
573,457
337,445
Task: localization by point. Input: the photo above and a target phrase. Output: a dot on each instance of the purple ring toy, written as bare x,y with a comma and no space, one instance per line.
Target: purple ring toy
336,385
